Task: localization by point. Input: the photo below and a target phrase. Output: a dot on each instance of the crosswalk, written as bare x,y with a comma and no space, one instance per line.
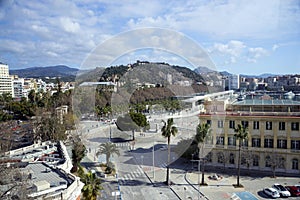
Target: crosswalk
123,145
129,177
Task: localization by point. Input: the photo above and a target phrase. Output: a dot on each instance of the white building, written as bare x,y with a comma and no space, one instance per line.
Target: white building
231,82
5,80
18,87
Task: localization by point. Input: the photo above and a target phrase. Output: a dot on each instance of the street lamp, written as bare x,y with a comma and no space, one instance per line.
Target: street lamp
153,160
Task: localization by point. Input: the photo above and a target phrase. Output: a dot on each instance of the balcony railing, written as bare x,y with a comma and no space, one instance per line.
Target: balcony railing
251,113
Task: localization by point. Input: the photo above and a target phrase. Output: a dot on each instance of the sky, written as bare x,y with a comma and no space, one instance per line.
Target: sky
239,36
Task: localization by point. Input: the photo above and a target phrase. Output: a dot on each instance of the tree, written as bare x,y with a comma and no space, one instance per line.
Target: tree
78,153
92,186
48,127
108,149
247,159
275,161
241,134
131,122
167,131
202,131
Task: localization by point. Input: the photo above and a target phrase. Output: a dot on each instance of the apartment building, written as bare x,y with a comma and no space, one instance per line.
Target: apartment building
273,142
5,80
44,172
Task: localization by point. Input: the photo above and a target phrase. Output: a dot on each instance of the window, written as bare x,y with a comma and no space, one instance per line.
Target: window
220,140
281,126
255,142
295,144
245,124
268,125
244,142
281,162
208,122
268,143
231,124
256,125
231,158
215,108
268,161
220,124
232,141
281,144
221,157
295,126
255,160
295,164
208,157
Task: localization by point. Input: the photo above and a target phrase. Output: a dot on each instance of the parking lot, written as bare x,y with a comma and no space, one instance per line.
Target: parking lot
223,189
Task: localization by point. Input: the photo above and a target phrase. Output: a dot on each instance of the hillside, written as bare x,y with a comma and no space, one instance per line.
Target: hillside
49,71
146,72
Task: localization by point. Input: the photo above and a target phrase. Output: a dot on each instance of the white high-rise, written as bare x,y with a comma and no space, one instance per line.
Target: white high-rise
5,80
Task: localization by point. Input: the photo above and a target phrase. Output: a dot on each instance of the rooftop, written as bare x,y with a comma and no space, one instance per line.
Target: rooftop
277,102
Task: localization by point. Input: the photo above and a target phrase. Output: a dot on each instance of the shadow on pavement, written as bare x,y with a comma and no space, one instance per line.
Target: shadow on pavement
133,183
262,194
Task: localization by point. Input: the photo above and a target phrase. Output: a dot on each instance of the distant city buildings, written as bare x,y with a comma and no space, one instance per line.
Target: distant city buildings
231,82
19,87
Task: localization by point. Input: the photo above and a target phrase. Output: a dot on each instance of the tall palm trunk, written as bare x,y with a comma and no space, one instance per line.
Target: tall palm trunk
239,166
168,169
201,148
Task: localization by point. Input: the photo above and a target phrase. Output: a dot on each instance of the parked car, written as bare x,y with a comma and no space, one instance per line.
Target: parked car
282,190
215,177
163,148
271,192
295,191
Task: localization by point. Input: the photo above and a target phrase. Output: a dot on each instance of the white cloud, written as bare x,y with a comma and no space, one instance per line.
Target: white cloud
233,48
275,46
69,25
256,53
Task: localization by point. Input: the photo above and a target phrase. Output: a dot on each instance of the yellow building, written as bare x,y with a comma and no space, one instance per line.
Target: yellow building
273,141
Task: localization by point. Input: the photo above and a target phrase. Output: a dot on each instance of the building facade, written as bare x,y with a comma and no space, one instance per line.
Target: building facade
5,80
273,142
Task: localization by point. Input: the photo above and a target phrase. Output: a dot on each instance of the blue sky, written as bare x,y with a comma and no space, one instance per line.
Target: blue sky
242,36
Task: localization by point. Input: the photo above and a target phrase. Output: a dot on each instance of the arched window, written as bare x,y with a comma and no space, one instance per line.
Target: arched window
208,157
268,161
255,160
221,157
281,162
231,158
295,163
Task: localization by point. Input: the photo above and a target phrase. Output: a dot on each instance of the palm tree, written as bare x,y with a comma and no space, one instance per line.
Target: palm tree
108,149
241,134
167,131
78,153
92,186
202,131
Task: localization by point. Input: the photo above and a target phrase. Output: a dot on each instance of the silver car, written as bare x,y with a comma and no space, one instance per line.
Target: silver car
271,192
282,190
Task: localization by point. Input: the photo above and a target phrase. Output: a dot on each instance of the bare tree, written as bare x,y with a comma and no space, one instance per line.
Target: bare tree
223,157
275,161
247,159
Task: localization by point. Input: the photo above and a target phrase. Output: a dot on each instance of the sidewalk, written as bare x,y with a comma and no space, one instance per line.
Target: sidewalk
216,189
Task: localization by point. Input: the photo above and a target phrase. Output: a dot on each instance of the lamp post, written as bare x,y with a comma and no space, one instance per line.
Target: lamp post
153,161
142,158
199,178
109,132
